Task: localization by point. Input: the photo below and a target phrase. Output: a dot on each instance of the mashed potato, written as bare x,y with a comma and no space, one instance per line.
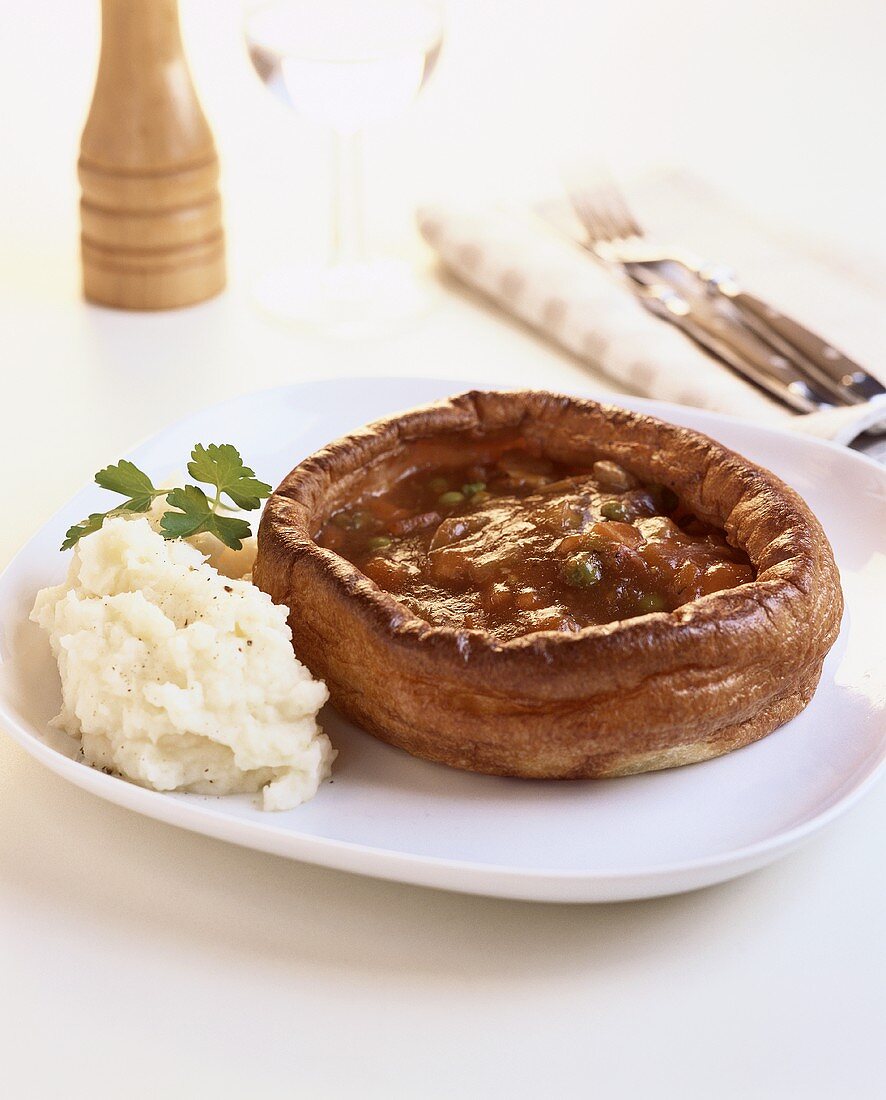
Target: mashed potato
179,678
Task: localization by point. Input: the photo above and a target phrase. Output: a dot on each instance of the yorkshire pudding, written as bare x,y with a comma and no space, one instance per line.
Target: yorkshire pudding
594,697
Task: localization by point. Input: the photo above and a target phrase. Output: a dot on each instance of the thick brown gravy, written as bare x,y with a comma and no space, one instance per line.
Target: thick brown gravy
515,543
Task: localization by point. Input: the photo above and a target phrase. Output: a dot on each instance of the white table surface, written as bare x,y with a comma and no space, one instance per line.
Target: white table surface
139,960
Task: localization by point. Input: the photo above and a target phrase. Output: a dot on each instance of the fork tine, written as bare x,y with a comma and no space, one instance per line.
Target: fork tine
621,213
603,208
591,215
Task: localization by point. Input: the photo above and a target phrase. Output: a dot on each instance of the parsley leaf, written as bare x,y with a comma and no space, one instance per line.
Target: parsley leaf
218,465
222,466
85,527
128,480
124,478
196,515
230,530
195,507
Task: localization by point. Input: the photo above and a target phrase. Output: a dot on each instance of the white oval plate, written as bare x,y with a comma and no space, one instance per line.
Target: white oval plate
391,816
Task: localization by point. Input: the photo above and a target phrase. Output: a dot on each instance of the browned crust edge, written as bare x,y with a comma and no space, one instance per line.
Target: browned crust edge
658,691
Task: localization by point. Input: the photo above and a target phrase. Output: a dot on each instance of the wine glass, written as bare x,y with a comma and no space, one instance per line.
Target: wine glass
345,64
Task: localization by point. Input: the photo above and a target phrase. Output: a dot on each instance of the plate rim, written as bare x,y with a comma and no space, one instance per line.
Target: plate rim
204,818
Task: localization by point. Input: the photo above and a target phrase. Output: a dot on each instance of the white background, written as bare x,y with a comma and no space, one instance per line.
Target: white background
137,958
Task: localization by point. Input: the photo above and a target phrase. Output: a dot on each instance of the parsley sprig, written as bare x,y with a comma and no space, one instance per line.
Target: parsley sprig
192,511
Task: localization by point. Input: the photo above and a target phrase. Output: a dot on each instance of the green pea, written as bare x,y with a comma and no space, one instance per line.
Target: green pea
618,510
473,487
450,499
353,521
438,485
651,601
379,542
582,570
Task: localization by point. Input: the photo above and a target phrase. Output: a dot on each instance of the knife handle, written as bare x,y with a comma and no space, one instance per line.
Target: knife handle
832,366
730,341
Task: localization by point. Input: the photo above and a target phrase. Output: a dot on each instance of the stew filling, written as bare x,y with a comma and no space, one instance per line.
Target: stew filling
516,543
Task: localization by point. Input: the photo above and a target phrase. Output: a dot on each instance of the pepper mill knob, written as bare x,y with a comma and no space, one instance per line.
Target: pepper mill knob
150,211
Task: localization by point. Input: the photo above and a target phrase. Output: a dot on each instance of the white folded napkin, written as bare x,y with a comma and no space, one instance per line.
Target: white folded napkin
513,258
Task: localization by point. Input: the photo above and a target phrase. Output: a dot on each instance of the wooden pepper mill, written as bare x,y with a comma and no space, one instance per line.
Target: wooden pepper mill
150,210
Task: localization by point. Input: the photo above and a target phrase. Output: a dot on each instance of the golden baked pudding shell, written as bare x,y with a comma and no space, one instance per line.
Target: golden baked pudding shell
656,691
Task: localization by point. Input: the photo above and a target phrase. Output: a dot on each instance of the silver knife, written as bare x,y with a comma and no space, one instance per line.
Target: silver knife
820,358
739,348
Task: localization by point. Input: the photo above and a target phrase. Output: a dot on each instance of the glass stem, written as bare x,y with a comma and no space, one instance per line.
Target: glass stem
347,245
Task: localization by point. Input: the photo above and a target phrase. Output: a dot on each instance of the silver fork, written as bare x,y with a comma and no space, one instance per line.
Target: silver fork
615,236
